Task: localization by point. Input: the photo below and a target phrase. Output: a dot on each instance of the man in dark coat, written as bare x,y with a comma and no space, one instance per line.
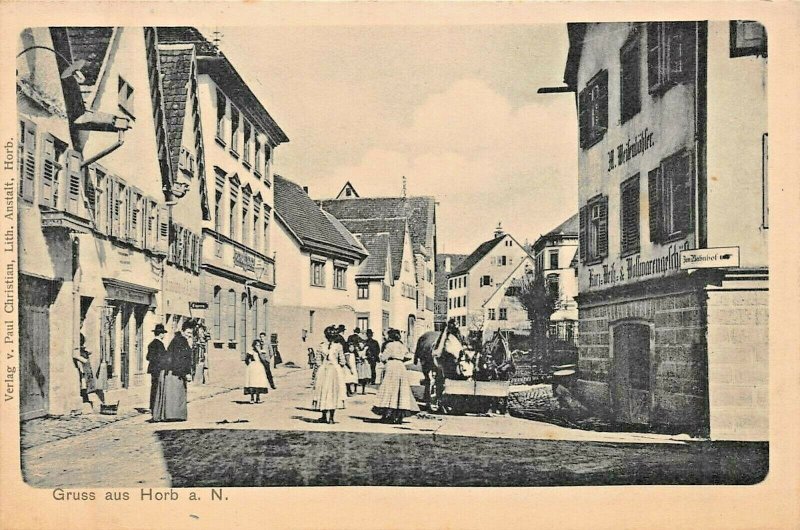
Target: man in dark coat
373,353
156,353
180,352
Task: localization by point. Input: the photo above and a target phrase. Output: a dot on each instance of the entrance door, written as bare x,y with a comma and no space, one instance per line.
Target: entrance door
34,345
125,347
631,391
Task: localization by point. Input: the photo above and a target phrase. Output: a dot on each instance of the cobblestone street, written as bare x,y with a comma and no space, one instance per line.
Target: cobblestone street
227,441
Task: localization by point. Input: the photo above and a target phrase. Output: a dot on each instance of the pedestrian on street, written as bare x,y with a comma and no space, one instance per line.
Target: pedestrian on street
329,391
156,353
351,364
395,399
176,371
266,352
200,348
276,354
373,354
255,375
340,336
89,384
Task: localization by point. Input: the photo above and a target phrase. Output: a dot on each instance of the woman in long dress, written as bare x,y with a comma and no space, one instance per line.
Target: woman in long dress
329,388
255,375
362,367
89,384
395,399
350,369
176,370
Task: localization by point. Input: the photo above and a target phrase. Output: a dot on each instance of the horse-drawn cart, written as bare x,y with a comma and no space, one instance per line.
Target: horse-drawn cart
474,396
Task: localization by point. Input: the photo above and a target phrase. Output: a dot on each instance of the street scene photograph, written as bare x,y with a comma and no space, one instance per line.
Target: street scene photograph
393,255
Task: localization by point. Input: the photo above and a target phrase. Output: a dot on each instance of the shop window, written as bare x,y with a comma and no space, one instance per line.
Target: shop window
629,216
670,197
27,159
222,111
363,291
593,110
670,54
748,37
594,230
630,85
317,273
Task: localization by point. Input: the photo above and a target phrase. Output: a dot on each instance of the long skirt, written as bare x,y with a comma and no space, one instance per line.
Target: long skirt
255,379
350,370
364,371
329,390
170,402
395,391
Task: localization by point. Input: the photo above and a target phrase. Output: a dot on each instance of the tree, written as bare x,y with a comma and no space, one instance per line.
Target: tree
476,321
540,303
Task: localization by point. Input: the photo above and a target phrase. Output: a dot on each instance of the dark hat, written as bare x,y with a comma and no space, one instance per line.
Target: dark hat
159,329
341,328
357,330
370,333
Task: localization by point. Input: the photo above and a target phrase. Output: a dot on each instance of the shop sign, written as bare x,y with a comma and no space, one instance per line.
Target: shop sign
710,258
244,261
635,268
630,149
198,305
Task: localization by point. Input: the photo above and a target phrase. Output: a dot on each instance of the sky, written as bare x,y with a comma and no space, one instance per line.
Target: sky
454,109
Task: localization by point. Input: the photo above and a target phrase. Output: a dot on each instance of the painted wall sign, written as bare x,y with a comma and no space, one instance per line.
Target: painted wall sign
630,149
708,258
634,268
244,261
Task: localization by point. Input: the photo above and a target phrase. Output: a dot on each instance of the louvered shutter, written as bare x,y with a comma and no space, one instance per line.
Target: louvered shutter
92,195
583,240
601,120
163,230
73,170
583,117
114,206
681,39
48,169
654,199
653,56
683,203
27,159
128,234
602,228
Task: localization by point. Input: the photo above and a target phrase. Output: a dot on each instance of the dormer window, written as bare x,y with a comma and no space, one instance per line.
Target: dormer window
186,163
125,95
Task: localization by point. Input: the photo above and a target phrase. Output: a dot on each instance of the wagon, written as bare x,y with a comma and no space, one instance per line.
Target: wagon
473,396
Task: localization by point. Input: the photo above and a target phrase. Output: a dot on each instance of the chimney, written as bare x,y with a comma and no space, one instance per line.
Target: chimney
305,189
499,230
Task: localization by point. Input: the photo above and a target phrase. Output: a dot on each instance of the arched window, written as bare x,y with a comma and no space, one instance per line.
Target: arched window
231,315
243,346
216,311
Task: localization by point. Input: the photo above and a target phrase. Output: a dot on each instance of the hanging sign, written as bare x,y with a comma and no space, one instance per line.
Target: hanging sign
710,258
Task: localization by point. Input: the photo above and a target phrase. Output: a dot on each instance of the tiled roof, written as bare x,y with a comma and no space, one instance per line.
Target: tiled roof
378,247
176,69
569,227
213,61
396,229
418,211
353,240
90,44
306,219
476,256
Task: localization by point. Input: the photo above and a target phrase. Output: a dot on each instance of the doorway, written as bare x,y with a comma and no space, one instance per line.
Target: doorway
631,388
35,299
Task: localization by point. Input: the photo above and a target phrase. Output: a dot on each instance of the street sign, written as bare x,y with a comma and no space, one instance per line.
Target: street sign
198,305
710,258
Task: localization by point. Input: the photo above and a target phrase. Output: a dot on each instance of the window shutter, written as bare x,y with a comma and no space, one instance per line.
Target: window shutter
602,104
583,240
583,117
114,206
73,164
146,225
602,228
654,199
92,194
683,204
48,168
27,161
127,215
653,56
681,51
162,238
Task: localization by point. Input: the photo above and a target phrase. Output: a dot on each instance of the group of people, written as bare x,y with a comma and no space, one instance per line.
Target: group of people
170,368
258,373
340,365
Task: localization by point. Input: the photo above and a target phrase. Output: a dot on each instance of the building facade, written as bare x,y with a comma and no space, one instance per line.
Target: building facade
665,151
316,273
445,263
477,277
503,310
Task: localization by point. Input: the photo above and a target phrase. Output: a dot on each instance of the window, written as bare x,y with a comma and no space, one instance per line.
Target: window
27,159
363,291
243,323
267,160
245,233
362,321
503,313
125,97
385,321
387,293
551,284
502,261
255,222
232,212
485,280
266,228
216,323
670,54
629,216
317,273
246,144
234,131
553,255
311,321
186,163
231,315
593,110
339,277
218,210
630,85
594,230
492,315
748,37
257,150
670,197
222,111
51,168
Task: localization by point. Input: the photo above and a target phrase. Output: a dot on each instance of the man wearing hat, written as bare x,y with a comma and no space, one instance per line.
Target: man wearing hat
340,337
156,352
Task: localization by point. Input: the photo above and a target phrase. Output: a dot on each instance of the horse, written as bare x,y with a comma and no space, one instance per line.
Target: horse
438,353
